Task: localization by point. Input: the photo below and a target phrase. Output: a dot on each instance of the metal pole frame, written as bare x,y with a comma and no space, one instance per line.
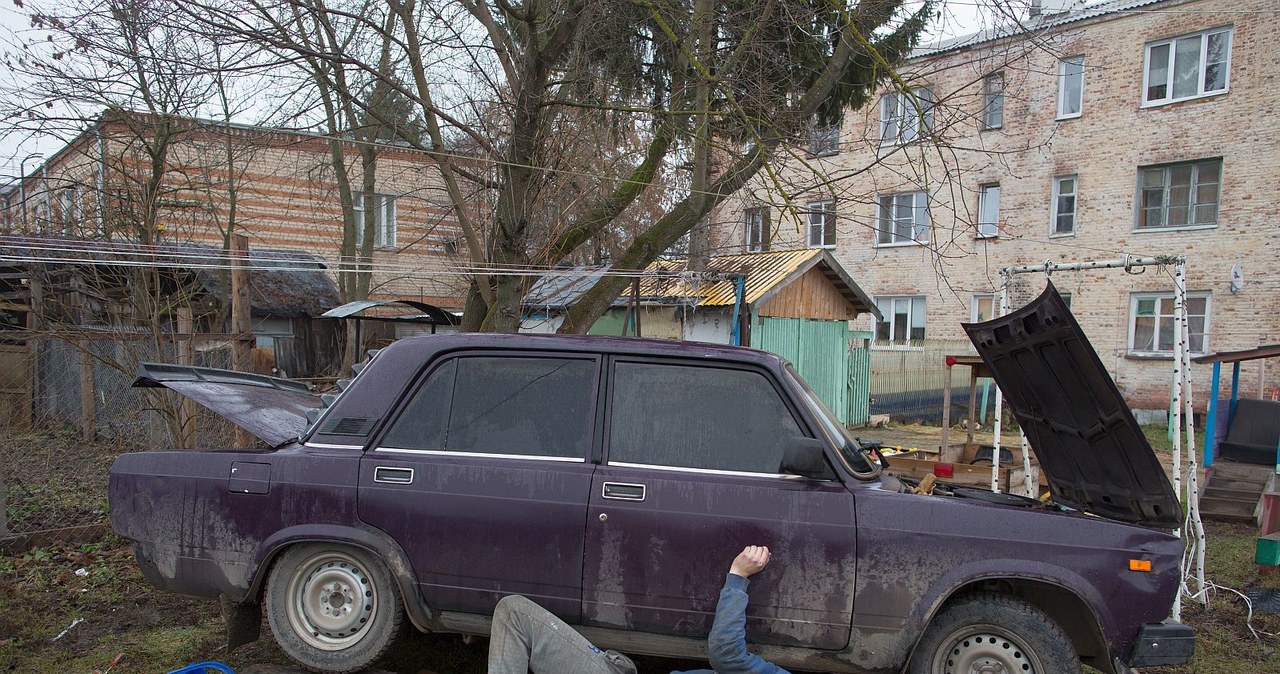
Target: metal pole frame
1182,399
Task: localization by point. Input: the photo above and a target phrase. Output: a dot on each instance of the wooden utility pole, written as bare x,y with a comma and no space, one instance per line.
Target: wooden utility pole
241,324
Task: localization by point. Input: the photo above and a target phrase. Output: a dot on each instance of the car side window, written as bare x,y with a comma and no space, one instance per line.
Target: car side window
697,417
501,405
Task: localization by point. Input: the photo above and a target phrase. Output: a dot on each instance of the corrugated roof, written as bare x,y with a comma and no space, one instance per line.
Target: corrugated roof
1036,24
766,273
669,281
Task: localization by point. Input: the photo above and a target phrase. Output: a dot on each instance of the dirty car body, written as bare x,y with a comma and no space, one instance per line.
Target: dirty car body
610,480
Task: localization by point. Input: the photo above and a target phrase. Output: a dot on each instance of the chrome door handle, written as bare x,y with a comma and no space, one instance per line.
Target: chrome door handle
389,475
622,491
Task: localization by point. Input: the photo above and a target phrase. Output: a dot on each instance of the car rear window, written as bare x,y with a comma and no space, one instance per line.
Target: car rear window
501,405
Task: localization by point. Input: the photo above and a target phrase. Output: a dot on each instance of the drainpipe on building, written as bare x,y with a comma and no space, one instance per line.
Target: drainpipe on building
740,291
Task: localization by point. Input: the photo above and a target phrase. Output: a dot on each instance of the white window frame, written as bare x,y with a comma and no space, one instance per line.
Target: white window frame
1077,61
1160,318
1201,69
820,217
1058,194
975,315
1193,192
988,224
887,225
385,235
897,107
755,229
992,102
916,307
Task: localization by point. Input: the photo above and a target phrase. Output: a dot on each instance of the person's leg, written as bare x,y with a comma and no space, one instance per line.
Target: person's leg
528,637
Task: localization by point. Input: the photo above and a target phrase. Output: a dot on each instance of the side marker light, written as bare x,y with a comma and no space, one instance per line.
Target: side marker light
1143,565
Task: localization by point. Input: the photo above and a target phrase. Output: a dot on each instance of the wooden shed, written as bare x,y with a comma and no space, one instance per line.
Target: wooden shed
798,304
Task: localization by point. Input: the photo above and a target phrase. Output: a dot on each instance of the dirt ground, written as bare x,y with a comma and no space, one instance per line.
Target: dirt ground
85,608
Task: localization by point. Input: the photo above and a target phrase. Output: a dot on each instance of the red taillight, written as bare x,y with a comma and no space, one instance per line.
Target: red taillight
944,470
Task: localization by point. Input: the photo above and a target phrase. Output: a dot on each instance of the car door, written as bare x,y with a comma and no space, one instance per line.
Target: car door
691,477
482,478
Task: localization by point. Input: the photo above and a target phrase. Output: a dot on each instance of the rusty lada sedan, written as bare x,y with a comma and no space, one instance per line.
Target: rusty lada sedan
609,479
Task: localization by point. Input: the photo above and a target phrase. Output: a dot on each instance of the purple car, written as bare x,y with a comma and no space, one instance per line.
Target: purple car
608,479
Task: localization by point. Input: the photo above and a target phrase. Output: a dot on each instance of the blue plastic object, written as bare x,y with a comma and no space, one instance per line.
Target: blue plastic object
204,668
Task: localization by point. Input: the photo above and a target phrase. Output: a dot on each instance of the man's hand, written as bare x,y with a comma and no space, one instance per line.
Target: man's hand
749,561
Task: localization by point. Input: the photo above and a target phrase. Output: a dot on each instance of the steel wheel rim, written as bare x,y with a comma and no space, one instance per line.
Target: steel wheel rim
985,649
331,601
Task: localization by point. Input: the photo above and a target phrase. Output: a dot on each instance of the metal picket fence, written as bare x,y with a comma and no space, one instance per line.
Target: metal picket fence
906,379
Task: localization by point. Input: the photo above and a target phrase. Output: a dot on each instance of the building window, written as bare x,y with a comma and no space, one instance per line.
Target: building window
984,308
906,117
1070,87
1064,206
903,219
993,101
68,209
1187,67
384,233
1179,195
756,226
1151,323
822,224
988,210
903,319
824,140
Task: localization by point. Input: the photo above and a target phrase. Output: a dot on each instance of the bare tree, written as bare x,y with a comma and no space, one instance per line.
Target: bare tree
710,87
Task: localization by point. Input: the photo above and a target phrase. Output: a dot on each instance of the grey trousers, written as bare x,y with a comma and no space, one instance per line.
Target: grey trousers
527,637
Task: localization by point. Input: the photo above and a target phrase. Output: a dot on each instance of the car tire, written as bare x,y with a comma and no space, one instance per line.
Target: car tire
993,632
332,608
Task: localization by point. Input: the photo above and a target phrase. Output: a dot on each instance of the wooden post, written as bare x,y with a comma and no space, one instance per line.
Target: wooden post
943,448
186,356
88,413
241,325
35,324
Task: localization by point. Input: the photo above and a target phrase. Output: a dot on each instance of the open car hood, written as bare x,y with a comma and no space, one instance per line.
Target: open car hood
274,410
1090,447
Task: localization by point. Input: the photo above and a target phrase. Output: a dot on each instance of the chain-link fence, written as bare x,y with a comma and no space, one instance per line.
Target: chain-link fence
69,409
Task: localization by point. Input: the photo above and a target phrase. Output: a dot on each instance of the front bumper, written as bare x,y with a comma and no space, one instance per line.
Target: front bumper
1166,643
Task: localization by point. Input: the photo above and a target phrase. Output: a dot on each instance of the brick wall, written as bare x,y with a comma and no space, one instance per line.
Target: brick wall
1104,147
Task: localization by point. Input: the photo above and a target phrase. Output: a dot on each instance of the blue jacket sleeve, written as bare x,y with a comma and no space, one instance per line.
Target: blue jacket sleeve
727,643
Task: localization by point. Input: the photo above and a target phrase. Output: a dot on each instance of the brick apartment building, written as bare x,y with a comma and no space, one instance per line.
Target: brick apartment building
285,198
1137,127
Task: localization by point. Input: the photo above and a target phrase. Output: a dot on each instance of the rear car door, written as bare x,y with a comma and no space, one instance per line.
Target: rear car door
691,477
482,477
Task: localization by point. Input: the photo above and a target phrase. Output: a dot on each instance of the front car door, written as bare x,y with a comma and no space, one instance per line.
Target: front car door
482,478
691,477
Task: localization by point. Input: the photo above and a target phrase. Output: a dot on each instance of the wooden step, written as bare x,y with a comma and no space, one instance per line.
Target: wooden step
1215,490
1227,509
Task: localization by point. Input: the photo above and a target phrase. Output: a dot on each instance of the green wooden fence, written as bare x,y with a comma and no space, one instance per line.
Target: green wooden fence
830,356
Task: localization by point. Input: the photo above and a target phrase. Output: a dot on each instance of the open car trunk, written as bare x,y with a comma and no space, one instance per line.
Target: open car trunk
274,410
1090,448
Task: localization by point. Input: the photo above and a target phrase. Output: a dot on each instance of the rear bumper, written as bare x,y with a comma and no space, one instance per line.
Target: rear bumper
1166,643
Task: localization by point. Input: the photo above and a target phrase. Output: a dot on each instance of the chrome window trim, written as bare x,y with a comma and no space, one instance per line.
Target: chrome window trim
705,471
325,445
481,455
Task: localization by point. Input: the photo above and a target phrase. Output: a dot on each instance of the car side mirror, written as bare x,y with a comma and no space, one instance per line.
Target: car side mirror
805,457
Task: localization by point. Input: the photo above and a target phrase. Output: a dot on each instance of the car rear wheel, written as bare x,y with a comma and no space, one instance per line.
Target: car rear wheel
332,609
993,634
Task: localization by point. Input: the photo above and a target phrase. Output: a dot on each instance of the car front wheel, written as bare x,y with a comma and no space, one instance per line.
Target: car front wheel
993,634
331,608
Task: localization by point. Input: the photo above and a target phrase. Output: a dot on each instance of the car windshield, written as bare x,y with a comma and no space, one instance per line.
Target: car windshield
854,458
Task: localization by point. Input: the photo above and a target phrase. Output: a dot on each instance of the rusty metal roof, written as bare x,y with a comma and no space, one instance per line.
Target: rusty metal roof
766,273
1264,351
